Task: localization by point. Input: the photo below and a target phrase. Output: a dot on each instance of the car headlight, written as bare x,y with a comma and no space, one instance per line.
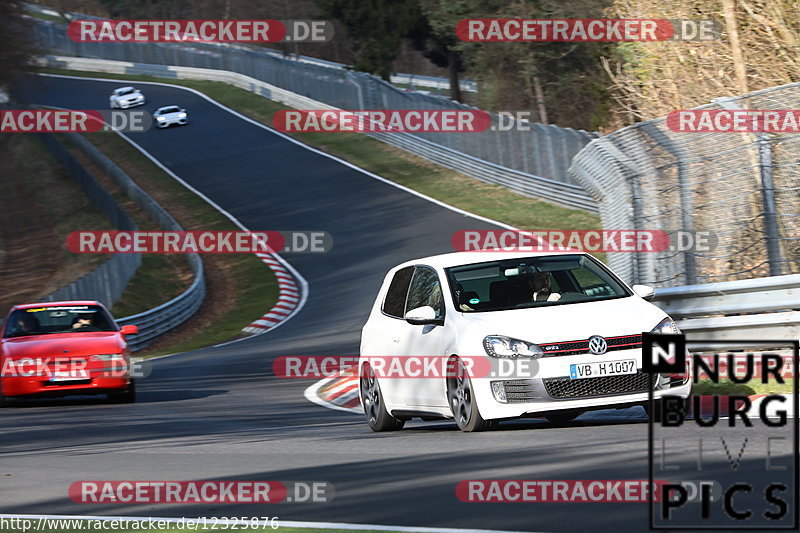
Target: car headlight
182,115
666,326
506,347
109,356
160,118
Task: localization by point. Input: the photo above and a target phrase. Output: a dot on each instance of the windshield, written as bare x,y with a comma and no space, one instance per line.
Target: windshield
58,319
122,92
169,110
531,282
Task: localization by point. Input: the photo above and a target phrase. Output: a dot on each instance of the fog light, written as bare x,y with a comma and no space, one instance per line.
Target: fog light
499,391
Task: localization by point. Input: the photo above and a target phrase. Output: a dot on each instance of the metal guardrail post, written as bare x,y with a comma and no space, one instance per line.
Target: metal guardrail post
768,198
767,189
684,190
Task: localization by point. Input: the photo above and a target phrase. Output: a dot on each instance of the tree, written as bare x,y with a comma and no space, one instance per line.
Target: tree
16,47
377,29
435,37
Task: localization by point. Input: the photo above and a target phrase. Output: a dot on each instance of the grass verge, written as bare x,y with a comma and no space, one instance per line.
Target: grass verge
726,387
40,205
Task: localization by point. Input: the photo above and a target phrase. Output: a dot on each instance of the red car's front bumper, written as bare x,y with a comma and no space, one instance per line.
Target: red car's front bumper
42,386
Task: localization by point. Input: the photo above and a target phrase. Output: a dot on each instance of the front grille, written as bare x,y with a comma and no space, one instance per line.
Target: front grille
626,342
564,387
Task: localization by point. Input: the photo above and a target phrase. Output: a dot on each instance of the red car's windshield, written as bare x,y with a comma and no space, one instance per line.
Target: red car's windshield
58,319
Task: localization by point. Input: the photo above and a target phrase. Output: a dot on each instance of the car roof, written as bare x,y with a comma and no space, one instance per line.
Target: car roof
124,88
169,107
468,258
57,304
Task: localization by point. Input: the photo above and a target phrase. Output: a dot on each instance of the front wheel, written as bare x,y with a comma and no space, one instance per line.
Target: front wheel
378,417
462,400
126,396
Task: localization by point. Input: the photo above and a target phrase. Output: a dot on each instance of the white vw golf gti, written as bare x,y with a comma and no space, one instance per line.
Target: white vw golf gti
576,326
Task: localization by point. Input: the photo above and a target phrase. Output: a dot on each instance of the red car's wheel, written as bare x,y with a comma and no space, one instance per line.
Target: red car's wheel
126,396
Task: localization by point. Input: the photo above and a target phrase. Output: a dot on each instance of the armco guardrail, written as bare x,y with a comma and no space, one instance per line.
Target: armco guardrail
419,80
540,153
754,309
525,184
159,320
106,282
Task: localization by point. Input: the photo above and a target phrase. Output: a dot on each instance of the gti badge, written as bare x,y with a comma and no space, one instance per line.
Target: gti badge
597,344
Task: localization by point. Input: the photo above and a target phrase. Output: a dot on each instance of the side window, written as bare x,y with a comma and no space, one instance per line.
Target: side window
395,301
426,290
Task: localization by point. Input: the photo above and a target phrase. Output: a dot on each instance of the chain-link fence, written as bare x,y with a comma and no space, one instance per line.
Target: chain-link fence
535,152
741,188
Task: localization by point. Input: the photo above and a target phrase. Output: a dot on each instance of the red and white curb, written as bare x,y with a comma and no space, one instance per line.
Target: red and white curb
288,298
338,393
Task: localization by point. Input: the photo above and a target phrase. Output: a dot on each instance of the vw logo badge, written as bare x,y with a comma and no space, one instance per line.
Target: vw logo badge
597,344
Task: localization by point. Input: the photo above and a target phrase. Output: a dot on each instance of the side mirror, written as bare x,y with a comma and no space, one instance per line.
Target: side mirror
422,316
645,292
129,330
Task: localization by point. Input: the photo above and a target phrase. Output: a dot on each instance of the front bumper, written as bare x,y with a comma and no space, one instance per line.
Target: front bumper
42,386
131,103
551,389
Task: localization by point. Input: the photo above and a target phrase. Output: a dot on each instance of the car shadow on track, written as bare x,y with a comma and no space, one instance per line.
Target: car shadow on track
101,399
592,419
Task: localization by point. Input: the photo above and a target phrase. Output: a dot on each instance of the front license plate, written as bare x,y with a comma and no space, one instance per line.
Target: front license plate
74,375
601,369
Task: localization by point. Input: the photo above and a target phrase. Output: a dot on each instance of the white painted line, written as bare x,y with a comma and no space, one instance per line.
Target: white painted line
307,147
284,263
281,523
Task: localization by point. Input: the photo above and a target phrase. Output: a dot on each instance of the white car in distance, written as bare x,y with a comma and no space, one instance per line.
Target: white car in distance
573,321
169,115
126,97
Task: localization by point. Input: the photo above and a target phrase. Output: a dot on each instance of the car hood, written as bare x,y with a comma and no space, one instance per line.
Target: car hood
560,323
64,344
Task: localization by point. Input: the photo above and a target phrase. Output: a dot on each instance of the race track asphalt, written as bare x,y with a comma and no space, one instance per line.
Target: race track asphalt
220,414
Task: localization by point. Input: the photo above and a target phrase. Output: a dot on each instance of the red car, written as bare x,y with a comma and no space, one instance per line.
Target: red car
65,348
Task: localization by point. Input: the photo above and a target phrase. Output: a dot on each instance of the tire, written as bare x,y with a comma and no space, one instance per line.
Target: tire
369,391
4,400
126,396
462,401
563,418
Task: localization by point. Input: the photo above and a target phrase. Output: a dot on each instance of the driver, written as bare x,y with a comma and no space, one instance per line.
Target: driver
539,284
83,321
